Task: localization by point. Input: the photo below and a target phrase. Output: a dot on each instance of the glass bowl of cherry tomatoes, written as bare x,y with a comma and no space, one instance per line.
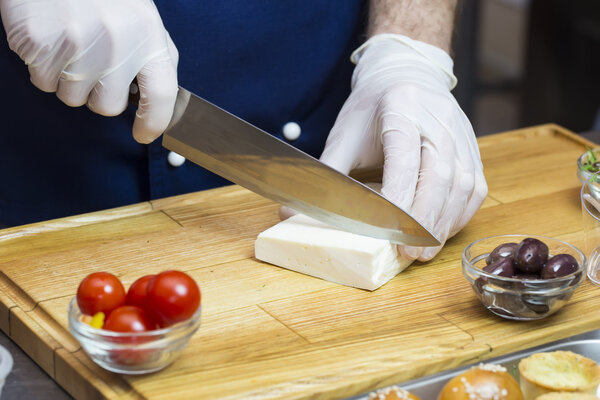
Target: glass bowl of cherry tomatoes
138,331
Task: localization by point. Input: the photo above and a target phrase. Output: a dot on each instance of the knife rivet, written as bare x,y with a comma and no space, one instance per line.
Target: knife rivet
175,160
291,131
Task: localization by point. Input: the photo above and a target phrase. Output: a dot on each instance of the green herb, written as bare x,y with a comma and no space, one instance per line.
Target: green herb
591,156
590,159
513,371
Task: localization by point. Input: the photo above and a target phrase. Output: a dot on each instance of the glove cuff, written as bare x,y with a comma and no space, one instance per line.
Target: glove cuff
434,55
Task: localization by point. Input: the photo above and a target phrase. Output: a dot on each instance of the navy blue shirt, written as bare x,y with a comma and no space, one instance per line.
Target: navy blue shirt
268,61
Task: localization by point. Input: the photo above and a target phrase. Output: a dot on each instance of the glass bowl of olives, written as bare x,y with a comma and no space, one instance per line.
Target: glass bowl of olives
522,277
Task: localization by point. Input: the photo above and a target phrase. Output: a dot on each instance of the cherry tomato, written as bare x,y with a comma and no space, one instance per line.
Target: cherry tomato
173,296
132,356
100,292
129,319
136,295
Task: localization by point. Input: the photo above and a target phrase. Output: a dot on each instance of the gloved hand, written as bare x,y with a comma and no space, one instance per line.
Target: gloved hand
401,114
89,52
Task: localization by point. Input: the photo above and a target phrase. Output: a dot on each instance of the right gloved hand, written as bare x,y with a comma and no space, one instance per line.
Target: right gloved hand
89,52
402,115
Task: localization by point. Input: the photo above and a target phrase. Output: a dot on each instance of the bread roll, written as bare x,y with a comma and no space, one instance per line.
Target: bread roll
484,382
566,396
558,371
392,393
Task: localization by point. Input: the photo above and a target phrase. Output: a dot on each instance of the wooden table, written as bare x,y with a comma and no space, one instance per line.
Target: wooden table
272,333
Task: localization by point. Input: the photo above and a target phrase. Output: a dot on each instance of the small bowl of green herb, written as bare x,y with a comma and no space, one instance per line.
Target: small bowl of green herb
588,164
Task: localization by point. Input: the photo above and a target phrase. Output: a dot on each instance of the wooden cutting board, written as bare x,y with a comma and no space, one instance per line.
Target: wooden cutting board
272,333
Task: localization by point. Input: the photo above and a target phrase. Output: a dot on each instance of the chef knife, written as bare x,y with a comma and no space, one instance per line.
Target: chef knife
242,153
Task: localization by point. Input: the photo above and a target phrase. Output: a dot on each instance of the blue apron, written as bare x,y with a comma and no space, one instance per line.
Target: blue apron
269,62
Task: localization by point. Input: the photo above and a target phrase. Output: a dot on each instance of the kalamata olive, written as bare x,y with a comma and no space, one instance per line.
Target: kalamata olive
525,281
537,304
502,251
559,265
527,277
479,285
530,255
502,267
506,304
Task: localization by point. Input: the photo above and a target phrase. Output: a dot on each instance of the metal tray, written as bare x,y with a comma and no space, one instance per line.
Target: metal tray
428,387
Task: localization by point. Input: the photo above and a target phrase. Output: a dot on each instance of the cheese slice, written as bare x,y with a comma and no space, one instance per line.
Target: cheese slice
305,245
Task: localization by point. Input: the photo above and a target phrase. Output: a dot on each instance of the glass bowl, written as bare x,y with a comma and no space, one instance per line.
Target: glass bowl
6,364
521,299
590,209
132,353
584,173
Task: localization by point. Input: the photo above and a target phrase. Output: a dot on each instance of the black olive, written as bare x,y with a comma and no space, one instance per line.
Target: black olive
530,255
507,304
524,281
479,285
527,277
502,267
502,251
559,265
537,304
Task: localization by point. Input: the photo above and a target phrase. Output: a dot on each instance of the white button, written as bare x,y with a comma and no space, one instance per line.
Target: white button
291,131
175,160
133,88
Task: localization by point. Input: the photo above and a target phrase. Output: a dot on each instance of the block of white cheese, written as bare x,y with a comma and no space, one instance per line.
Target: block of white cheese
306,245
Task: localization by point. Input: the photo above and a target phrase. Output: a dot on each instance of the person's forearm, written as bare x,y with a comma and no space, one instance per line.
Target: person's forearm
430,21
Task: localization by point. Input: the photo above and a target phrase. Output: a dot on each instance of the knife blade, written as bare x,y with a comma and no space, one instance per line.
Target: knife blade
242,153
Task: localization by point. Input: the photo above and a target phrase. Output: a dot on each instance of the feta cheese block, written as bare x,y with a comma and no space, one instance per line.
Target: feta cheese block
305,245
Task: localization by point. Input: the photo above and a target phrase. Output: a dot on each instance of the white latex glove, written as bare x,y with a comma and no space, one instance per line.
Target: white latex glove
401,114
89,52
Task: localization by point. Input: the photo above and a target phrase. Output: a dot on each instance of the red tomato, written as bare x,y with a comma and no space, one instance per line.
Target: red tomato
173,296
129,319
100,291
136,295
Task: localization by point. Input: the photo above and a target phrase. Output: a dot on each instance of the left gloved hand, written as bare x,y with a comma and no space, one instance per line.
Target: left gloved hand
401,114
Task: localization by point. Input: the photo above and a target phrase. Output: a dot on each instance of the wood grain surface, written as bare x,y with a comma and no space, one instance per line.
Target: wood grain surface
271,333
